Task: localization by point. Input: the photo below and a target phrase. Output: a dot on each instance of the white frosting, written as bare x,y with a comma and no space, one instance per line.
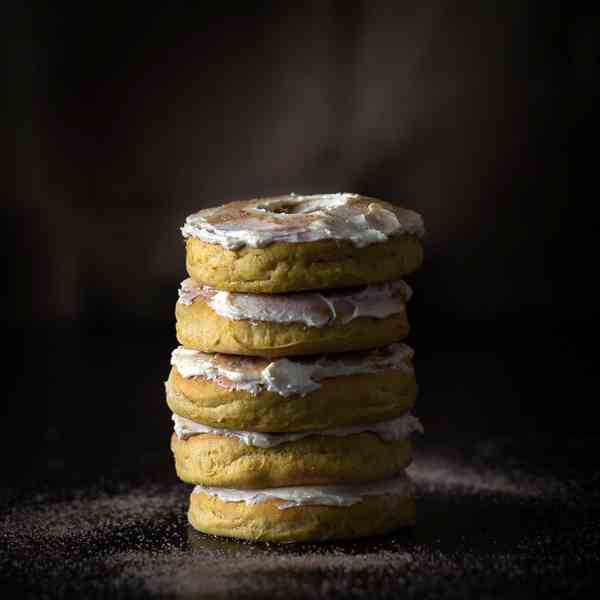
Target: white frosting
294,218
189,290
324,495
389,431
286,377
314,309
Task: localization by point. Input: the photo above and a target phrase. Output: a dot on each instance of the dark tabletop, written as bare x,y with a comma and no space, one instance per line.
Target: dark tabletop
508,496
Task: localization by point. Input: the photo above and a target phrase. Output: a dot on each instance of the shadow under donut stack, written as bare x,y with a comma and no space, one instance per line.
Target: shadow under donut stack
291,390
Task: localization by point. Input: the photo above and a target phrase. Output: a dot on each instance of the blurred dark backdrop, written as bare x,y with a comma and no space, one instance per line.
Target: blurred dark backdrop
127,120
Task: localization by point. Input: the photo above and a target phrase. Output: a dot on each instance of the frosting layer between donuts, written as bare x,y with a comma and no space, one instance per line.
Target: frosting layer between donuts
303,393
299,376
304,514
389,431
313,309
322,495
291,324
292,243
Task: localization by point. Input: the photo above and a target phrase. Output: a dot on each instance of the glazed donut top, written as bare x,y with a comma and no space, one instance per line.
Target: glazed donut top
293,218
389,431
284,376
323,495
314,309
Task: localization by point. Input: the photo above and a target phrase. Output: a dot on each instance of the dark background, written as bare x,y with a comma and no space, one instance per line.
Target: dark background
476,114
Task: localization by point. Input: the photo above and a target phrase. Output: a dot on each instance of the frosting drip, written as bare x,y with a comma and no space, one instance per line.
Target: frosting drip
294,218
284,376
388,431
325,495
314,309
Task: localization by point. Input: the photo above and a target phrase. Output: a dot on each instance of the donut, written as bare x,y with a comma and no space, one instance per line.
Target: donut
304,514
283,395
245,460
291,324
292,243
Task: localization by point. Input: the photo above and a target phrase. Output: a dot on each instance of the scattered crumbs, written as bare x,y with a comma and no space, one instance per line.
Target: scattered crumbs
482,531
438,474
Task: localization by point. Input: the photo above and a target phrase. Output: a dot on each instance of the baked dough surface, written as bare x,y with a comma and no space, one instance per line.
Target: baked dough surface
199,327
265,522
219,461
340,401
289,267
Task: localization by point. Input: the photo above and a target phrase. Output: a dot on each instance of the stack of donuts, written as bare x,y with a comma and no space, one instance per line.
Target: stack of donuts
291,390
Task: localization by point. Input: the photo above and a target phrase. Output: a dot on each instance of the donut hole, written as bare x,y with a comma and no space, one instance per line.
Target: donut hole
286,208
302,205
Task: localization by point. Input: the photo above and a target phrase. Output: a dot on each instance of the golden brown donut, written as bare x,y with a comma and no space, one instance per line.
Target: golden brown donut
264,521
339,401
200,327
216,460
283,267
291,243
